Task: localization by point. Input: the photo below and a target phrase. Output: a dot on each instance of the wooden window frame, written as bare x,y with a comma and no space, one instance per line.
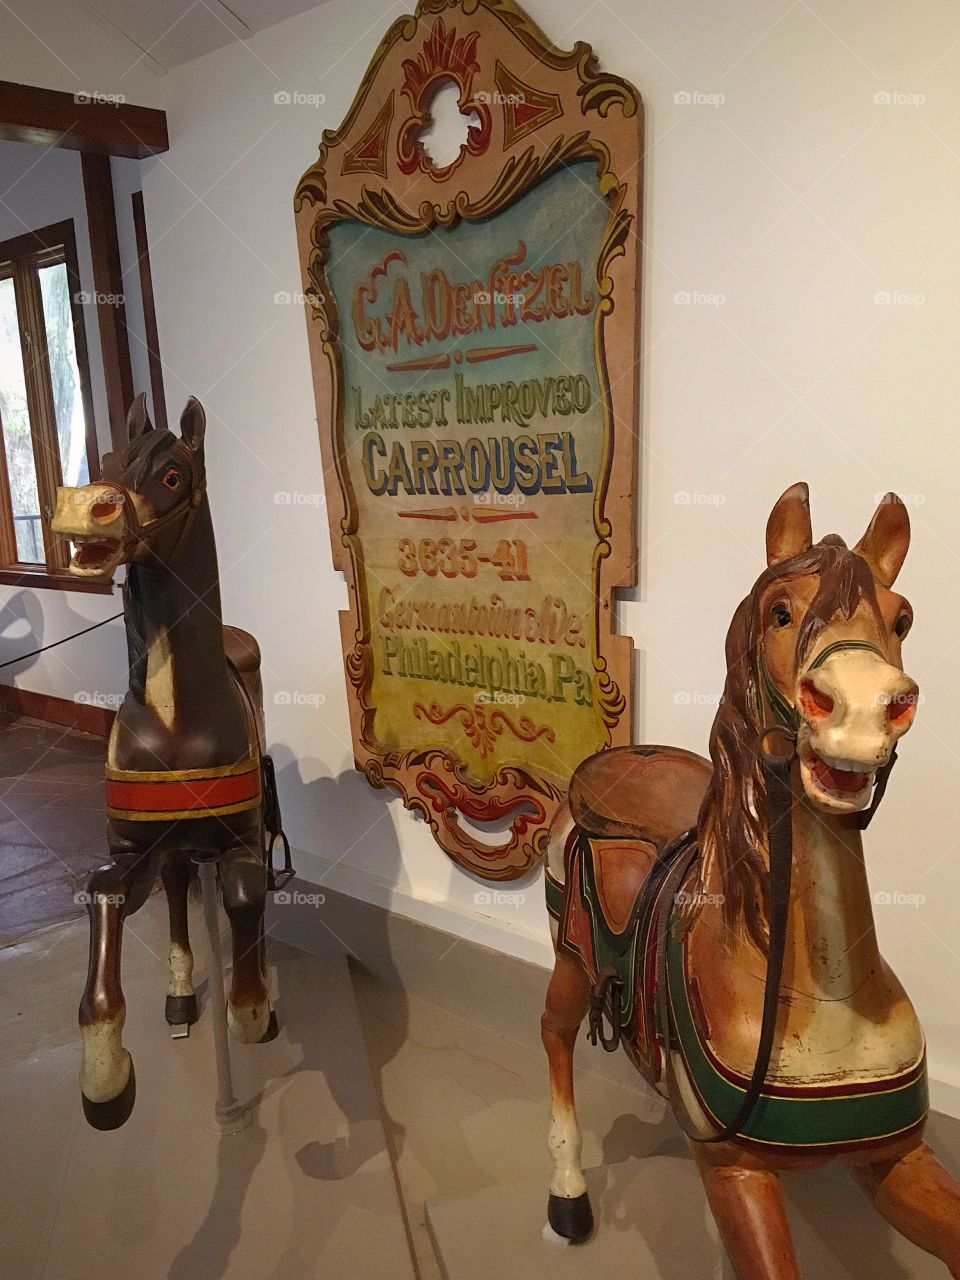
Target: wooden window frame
20,259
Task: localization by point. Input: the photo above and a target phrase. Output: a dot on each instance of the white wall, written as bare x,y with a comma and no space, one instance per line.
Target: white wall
798,199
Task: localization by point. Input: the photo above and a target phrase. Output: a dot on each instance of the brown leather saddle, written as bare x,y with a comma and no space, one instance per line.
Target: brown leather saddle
634,807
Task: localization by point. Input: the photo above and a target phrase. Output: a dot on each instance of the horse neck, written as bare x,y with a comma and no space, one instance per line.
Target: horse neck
831,946
831,939
175,628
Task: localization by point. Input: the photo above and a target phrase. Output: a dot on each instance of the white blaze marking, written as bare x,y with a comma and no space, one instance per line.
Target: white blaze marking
160,678
248,1022
566,1144
105,1064
181,971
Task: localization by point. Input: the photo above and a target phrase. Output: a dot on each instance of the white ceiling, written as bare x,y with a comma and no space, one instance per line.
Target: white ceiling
169,32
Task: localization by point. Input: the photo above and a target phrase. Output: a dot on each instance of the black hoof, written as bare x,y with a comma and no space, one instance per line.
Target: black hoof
112,1114
181,1009
572,1219
273,1029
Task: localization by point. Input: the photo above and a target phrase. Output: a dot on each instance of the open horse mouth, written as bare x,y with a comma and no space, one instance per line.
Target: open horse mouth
838,785
95,557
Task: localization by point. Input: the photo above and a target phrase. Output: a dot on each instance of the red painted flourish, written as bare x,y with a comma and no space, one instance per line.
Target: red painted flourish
481,729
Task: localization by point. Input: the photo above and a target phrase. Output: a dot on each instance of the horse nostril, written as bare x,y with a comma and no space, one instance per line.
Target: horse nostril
902,707
105,509
814,703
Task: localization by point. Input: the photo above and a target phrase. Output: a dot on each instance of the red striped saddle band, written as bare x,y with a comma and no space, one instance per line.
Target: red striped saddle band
186,793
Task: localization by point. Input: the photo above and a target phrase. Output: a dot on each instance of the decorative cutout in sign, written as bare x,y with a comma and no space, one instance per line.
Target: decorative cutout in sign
474,339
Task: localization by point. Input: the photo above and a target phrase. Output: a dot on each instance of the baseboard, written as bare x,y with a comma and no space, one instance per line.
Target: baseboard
62,711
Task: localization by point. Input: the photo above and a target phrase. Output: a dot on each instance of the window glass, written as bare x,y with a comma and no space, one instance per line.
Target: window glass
64,373
17,441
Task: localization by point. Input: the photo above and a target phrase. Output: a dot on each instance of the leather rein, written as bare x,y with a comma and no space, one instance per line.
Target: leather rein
776,770
137,532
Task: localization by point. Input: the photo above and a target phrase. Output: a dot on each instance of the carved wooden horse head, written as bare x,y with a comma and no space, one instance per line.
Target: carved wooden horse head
146,502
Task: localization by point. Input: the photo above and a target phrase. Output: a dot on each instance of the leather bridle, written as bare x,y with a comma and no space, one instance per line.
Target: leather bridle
776,770
138,533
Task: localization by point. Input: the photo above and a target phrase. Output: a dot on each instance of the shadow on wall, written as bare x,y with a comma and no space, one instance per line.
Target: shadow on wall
21,630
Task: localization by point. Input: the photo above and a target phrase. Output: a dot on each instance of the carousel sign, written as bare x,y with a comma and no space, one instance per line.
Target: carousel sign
473,330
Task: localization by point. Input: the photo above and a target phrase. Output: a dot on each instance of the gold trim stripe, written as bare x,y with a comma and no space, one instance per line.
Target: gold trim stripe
179,775
180,815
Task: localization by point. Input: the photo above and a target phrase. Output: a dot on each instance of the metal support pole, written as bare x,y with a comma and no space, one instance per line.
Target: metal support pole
231,1116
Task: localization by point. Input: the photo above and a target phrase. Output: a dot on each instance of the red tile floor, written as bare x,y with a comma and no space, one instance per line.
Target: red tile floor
52,822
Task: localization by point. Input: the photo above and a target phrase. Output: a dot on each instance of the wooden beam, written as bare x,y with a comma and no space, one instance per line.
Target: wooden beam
149,314
108,286
90,123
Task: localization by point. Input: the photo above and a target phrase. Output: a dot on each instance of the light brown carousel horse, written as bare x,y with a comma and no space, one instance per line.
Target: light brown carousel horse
186,777
724,910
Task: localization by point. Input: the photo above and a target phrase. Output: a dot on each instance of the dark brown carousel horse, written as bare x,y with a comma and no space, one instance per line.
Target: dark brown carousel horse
718,918
183,761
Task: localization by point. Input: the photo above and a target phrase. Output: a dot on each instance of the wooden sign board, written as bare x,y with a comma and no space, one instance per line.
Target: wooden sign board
474,340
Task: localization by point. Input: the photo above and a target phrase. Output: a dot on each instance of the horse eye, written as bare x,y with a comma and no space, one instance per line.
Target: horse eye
902,625
171,478
781,614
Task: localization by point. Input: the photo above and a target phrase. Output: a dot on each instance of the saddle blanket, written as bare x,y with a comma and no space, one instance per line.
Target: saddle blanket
166,795
831,1117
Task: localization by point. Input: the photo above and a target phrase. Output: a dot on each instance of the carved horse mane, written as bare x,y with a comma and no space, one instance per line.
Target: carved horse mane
732,824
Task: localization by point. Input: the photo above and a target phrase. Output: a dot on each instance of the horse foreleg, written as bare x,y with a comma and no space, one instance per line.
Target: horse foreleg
181,1005
243,880
107,1080
748,1205
568,998
917,1196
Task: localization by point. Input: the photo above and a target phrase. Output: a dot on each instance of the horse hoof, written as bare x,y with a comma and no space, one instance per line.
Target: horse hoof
115,1112
273,1029
572,1219
181,1009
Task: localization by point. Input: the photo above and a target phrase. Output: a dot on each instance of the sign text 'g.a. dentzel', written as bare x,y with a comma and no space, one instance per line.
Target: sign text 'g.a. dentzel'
511,294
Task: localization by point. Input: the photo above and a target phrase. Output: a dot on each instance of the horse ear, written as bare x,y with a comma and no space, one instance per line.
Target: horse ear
193,424
788,530
138,420
885,544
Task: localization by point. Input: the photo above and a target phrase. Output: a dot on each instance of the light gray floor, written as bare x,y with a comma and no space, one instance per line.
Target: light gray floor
467,1120
307,1190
